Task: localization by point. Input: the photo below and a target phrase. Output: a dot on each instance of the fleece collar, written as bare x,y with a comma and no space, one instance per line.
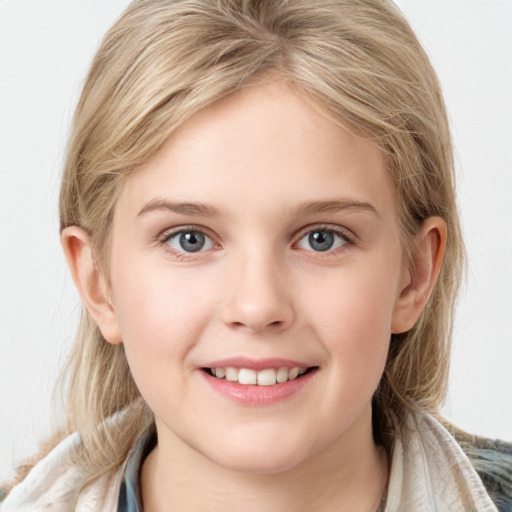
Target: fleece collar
429,473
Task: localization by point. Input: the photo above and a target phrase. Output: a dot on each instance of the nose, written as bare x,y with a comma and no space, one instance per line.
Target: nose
259,297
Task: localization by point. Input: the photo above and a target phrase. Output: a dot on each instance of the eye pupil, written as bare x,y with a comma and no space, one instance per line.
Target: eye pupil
321,240
192,241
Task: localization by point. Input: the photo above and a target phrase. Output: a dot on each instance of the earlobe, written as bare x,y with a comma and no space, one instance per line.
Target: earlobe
90,281
422,274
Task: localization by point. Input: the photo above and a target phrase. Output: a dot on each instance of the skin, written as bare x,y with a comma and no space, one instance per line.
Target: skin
259,289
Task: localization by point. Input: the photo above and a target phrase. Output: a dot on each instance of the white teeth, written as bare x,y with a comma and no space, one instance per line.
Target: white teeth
294,373
282,375
232,374
246,376
266,377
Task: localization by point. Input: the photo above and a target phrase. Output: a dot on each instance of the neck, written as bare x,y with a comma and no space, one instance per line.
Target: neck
348,475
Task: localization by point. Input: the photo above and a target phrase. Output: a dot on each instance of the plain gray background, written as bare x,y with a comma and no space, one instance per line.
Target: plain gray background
45,49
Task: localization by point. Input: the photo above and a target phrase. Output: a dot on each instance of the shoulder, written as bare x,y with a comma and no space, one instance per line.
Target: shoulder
492,460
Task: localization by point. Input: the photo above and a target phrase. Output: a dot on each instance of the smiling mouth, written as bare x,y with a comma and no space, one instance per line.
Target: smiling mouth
265,377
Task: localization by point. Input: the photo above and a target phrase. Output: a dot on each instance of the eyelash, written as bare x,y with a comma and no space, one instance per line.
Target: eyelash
348,237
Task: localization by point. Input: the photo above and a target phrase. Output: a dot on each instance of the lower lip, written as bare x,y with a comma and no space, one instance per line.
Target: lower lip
258,395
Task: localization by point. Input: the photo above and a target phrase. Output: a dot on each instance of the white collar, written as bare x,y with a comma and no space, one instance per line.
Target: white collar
431,473
54,482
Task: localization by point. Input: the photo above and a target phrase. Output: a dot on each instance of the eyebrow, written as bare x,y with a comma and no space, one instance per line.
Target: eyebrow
206,210
194,209
336,205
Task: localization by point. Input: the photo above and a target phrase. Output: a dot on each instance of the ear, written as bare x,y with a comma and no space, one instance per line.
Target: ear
420,277
90,281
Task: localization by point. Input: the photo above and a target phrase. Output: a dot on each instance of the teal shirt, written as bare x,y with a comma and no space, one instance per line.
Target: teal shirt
130,499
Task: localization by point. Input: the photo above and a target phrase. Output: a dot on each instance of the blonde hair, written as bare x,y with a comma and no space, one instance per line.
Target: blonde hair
358,62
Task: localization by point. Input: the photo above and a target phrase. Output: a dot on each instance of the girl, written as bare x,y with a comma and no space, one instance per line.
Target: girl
258,211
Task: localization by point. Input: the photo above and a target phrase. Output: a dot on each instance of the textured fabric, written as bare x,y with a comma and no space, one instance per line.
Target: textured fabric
492,460
53,486
429,473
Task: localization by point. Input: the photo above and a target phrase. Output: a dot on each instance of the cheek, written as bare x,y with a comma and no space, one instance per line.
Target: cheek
352,316
160,313
161,320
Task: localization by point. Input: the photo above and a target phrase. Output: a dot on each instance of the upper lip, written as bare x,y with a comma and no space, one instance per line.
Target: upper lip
256,364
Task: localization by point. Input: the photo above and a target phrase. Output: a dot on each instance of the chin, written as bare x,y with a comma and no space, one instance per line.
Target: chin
254,456
261,465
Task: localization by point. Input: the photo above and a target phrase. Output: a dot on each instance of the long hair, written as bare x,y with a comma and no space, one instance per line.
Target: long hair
356,61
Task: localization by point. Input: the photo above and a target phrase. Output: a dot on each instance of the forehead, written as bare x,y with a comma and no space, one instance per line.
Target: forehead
263,146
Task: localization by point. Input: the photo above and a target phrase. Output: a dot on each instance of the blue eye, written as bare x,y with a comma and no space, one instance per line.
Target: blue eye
321,240
189,241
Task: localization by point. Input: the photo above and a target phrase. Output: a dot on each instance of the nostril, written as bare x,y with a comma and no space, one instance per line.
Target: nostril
261,325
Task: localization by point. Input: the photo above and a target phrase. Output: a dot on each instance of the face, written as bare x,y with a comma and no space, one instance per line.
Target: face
255,270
